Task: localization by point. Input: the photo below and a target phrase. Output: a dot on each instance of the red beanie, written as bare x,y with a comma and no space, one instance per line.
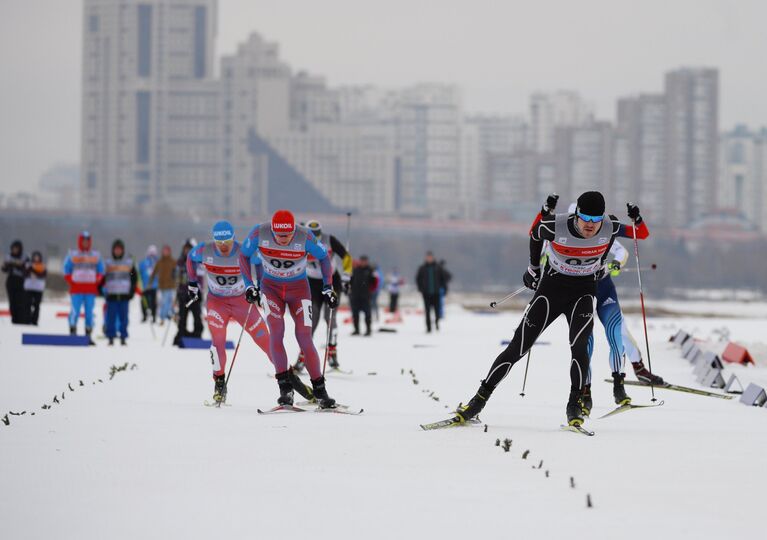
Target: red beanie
283,221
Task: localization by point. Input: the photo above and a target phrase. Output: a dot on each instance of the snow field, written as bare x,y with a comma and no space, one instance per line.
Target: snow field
139,456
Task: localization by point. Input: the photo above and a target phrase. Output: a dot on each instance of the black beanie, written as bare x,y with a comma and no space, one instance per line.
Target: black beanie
591,203
120,243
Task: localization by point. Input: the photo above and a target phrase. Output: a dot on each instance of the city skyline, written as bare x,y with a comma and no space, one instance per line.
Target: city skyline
30,145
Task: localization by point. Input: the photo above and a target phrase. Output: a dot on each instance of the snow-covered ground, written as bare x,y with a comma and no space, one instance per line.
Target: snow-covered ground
139,456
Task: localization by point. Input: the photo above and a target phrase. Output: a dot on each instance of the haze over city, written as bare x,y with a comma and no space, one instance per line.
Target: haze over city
498,53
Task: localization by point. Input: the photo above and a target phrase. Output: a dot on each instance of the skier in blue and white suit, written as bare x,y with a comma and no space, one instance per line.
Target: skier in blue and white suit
618,336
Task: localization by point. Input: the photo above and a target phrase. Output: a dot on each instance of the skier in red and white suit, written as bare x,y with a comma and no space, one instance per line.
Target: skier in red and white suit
226,301
279,250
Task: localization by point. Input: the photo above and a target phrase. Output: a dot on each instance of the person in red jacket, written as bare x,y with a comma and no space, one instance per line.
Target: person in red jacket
83,270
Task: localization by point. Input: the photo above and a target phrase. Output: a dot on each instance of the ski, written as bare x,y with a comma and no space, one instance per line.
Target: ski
677,388
630,406
292,408
315,404
340,410
454,421
339,371
282,409
450,422
215,404
577,429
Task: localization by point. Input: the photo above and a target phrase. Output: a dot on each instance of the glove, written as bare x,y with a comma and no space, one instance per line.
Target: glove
551,204
615,268
346,280
532,277
330,296
633,211
253,295
193,292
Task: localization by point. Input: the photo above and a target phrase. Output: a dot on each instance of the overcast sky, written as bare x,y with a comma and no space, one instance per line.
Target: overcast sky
497,51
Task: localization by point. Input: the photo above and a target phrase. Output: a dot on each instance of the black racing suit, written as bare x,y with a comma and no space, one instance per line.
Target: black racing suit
318,299
556,294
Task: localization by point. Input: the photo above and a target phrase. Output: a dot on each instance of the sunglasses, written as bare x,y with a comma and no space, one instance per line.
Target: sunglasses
591,219
225,242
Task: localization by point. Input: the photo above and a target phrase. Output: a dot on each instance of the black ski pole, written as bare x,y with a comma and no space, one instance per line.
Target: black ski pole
348,230
527,365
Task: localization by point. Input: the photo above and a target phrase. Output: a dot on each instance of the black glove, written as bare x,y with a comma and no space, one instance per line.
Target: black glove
551,204
330,296
633,211
253,295
346,281
192,292
532,277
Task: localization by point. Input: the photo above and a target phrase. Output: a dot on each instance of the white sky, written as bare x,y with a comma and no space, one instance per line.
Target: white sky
497,51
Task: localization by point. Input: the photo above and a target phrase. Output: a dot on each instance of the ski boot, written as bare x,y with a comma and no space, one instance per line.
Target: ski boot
586,402
644,375
123,342
88,333
619,391
324,401
332,357
286,389
299,365
475,405
111,341
219,389
72,330
297,384
574,410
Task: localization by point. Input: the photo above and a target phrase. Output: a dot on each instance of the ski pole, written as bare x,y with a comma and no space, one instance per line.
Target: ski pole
507,297
237,348
644,269
348,230
641,300
527,365
145,303
167,329
327,343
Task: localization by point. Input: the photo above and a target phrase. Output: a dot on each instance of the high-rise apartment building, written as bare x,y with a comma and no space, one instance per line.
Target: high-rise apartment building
640,156
483,137
255,97
692,140
743,173
150,114
584,159
428,120
549,111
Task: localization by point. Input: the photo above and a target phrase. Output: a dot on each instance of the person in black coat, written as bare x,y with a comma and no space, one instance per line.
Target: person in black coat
430,280
182,294
34,286
14,265
359,294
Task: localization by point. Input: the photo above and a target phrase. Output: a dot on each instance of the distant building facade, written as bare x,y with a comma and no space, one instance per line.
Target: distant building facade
150,114
692,140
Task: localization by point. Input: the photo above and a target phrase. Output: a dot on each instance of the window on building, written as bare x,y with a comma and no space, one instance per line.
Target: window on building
200,46
144,40
143,102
